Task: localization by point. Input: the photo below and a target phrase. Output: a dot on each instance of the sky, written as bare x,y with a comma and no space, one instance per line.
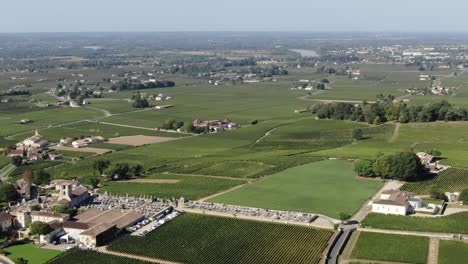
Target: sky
233,15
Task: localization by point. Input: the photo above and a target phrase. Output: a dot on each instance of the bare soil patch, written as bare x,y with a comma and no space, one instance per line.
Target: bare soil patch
85,149
139,140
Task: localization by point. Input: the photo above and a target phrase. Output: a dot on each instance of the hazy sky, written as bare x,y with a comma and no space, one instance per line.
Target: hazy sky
232,15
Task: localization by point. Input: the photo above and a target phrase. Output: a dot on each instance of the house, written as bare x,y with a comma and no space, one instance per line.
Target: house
48,217
24,122
426,159
53,156
215,125
98,235
396,202
452,196
87,141
65,141
74,104
6,222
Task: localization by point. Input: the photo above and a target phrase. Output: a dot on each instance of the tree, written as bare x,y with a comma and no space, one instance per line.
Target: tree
188,127
434,152
436,193
63,209
364,168
8,193
93,182
358,134
136,170
17,160
39,228
41,177
118,171
101,165
344,216
35,207
463,196
402,166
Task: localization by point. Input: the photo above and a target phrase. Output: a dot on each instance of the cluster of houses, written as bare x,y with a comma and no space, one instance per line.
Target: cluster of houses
31,148
215,125
159,97
90,228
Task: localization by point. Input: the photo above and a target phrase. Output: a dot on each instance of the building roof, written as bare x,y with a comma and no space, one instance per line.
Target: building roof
395,197
48,214
128,219
76,225
120,219
99,229
390,202
78,191
88,214
6,217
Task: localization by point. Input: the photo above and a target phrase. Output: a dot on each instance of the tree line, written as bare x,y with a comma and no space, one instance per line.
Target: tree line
386,110
125,84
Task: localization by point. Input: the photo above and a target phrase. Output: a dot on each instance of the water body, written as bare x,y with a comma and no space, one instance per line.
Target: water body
306,53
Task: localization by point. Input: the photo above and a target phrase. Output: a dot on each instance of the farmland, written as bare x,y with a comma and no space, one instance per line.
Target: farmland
192,238
450,180
192,187
452,251
455,223
92,257
326,187
408,249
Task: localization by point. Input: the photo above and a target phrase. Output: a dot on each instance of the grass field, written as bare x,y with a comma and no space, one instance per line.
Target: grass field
455,223
452,252
74,154
395,248
192,238
111,146
326,187
192,187
30,252
450,180
92,257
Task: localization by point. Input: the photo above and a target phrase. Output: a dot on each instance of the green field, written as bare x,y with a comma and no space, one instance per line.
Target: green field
395,248
30,252
92,257
452,252
450,180
193,238
74,154
116,147
192,187
326,187
455,223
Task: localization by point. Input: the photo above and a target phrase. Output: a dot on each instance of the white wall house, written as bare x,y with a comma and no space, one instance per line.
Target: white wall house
396,202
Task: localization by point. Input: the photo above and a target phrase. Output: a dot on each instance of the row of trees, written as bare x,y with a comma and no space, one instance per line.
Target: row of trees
387,110
125,84
402,166
119,170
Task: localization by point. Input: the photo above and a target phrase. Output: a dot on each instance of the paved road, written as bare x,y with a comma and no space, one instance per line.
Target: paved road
340,244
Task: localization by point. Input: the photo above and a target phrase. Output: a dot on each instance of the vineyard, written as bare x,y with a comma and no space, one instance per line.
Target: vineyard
77,256
450,180
193,238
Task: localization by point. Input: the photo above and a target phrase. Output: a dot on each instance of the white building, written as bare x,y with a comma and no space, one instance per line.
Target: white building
396,202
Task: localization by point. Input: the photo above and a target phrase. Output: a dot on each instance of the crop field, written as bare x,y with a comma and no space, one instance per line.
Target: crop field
92,257
450,180
74,154
43,118
192,187
452,252
394,248
455,223
448,137
193,238
326,187
111,146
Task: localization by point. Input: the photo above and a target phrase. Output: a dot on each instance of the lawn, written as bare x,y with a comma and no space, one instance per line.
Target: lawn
455,223
201,239
30,252
92,257
451,252
192,187
326,187
395,248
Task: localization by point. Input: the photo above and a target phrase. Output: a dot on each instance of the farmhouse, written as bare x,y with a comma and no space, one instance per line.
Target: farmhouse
87,141
24,122
396,202
215,125
426,159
